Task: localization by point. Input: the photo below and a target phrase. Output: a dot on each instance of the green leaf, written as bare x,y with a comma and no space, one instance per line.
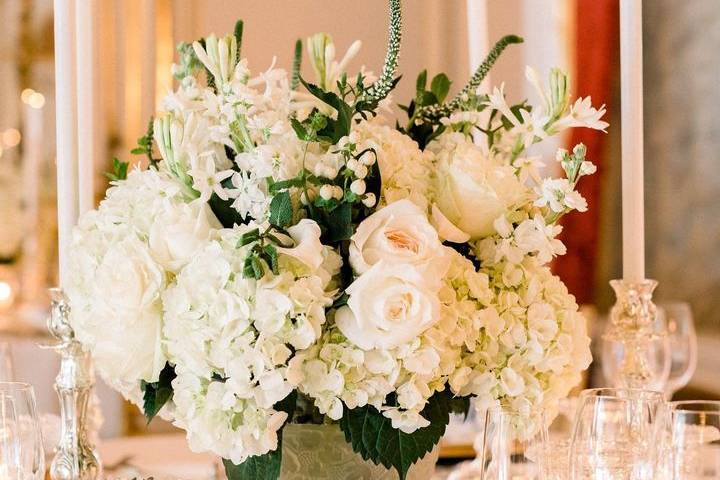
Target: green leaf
440,86
300,130
271,256
421,82
267,466
281,211
252,267
119,170
339,224
249,237
225,213
372,436
157,394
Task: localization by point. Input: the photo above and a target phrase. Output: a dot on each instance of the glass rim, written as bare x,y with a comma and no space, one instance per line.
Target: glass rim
595,393
676,406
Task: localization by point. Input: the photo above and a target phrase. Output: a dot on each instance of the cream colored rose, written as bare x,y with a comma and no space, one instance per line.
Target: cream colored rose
179,232
398,233
389,305
471,191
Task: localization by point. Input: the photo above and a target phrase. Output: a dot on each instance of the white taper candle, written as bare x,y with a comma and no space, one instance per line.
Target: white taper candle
86,44
478,35
65,127
631,88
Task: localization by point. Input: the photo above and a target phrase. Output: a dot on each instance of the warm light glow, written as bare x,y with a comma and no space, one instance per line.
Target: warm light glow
11,137
1,152
6,295
36,100
25,95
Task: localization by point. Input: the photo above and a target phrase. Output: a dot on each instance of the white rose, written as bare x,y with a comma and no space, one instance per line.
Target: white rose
389,305
398,233
472,191
179,232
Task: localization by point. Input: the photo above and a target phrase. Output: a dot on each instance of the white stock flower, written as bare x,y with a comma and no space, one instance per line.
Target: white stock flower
559,195
398,233
389,304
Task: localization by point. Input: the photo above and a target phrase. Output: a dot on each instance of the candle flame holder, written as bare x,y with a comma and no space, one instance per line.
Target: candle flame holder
74,457
633,326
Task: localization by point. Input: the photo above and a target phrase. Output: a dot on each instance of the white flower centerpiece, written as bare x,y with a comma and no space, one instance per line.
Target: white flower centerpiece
288,256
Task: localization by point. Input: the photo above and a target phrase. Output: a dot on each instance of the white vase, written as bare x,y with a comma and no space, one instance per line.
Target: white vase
320,452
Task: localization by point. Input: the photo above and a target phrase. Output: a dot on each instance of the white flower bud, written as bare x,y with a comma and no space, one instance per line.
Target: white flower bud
368,158
358,187
326,192
352,164
330,172
338,192
361,171
369,200
319,170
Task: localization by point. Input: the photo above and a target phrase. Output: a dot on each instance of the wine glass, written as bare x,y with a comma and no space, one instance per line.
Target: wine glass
21,451
683,346
6,363
694,440
513,446
616,433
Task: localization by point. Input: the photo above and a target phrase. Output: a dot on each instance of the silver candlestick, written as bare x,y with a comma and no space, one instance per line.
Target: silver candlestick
633,327
74,457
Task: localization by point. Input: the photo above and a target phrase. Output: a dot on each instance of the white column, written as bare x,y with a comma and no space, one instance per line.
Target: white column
66,128
478,35
86,97
631,93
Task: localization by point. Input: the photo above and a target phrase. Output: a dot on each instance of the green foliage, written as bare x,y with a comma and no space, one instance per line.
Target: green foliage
281,211
424,132
157,394
145,145
267,466
188,62
238,32
387,81
263,252
372,436
339,224
335,128
119,170
297,63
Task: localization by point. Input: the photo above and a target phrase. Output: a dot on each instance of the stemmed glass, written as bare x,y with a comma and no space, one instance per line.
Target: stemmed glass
694,440
616,433
513,446
682,341
21,450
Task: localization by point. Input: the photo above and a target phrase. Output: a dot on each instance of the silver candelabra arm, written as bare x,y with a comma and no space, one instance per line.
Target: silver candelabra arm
74,457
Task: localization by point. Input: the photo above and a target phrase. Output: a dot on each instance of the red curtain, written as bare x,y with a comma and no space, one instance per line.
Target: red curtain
597,42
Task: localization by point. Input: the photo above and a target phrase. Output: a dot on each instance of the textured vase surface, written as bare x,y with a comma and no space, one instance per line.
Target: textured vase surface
320,452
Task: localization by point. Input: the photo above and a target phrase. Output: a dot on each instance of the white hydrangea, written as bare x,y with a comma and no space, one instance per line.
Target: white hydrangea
121,260
406,171
231,337
337,370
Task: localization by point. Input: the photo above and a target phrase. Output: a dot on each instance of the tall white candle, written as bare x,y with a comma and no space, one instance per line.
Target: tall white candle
85,13
66,128
32,147
478,35
147,73
631,63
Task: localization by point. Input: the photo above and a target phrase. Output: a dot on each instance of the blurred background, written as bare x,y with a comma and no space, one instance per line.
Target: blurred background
135,51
